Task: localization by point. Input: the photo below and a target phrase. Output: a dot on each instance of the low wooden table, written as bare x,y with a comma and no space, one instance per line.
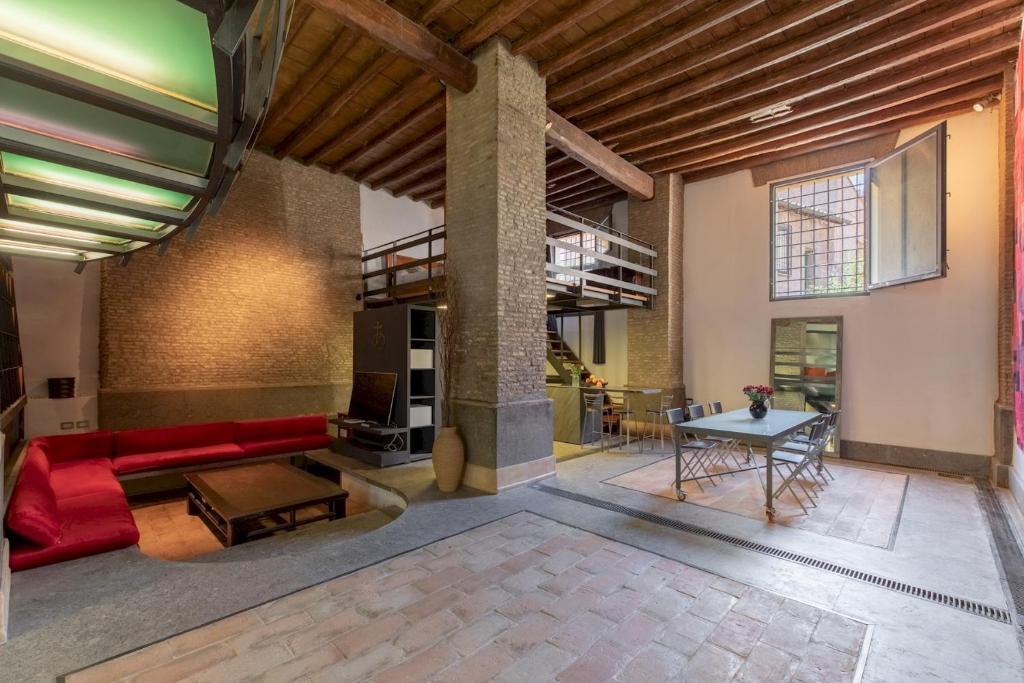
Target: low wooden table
233,501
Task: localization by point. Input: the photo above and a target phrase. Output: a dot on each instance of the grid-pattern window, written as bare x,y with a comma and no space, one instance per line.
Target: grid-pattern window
573,259
818,236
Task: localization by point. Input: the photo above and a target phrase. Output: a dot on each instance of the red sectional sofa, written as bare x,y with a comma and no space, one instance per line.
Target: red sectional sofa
68,502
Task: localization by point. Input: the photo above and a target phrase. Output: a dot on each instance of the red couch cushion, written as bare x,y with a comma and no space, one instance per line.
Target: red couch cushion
134,441
32,513
83,478
89,524
69,447
159,460
295,444
280,427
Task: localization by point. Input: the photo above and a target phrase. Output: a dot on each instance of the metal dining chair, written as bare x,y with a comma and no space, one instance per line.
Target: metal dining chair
792,463
594,415
624,413
728,446
708,450
660,417
805,443
699,448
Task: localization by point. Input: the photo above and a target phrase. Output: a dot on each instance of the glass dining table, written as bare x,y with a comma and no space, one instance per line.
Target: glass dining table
774,429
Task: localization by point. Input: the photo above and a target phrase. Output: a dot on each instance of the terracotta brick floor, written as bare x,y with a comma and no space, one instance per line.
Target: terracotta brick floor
520,599
862,504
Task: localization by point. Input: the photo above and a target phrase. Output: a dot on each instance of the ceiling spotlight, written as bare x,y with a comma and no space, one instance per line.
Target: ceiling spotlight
987,101
777,111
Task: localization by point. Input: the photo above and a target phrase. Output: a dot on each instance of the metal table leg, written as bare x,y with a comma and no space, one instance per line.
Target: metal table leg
769,490
680,494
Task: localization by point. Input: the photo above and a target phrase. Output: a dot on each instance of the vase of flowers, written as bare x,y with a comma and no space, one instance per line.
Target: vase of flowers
758,395
575,372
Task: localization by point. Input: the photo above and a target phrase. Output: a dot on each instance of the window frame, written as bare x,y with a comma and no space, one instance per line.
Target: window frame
866,167
838,170
940,210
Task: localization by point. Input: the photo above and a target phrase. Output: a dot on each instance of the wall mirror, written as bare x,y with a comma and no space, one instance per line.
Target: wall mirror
806,365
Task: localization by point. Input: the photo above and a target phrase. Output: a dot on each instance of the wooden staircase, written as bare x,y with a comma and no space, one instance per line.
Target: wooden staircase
561,357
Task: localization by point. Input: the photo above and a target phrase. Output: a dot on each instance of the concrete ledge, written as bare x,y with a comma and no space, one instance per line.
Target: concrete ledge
504,434
495,481
157,407
1016,484
922,458
5,589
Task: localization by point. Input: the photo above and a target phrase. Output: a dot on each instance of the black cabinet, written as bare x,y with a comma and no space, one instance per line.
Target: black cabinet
403,340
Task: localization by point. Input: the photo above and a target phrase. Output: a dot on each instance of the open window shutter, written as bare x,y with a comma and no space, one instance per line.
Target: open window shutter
907,212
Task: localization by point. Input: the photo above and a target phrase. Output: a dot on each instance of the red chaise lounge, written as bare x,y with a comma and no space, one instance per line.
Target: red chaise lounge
68,503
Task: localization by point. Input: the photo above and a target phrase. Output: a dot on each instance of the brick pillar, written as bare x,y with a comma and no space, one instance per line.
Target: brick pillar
656,336
494,212
1003,414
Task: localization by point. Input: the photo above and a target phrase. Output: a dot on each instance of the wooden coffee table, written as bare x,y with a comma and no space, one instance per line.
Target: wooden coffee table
236,502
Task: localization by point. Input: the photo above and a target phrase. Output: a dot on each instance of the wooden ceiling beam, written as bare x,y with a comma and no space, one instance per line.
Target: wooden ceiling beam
599,198
557,186
411,169
368,119
333,107
631,22
588,186
935,93
428,179
435,9
430,109
435,138
301,14
405,37
645,112
675,68
490,24
631,55
644,109
857,79
433,198
854,121
845,137
493,21
580,10
330,57
602,160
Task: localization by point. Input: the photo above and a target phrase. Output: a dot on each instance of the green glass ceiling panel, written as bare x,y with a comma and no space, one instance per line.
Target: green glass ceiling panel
160,45
39,111
13,228
44,206
97,183
85,75
28,249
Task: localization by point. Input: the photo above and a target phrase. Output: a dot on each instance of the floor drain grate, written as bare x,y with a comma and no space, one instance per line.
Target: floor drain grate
977,608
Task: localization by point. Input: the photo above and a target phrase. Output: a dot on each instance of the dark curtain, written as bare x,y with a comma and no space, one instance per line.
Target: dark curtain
599,338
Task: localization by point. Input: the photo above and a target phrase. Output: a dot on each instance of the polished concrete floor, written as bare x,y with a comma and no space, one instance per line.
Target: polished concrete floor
849,500
955,625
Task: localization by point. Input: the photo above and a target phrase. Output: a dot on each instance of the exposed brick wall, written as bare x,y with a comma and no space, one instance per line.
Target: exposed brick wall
656,337
496,228
259,304
1006,230
1003,409
495,219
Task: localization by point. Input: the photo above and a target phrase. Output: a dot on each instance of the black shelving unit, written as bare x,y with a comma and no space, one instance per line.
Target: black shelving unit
400,339
12,371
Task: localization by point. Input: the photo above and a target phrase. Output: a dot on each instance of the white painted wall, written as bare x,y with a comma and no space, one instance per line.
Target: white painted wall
919,361
59,324
615,345
385,218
